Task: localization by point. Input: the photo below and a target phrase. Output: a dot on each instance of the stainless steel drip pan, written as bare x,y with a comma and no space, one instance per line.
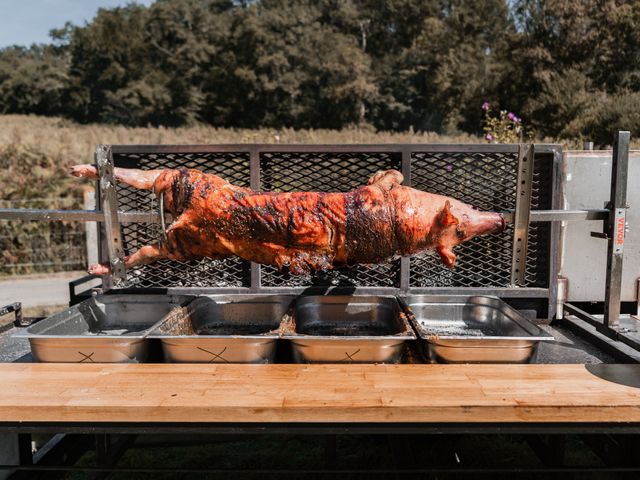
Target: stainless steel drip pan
224,329
473,329
103,329
347,329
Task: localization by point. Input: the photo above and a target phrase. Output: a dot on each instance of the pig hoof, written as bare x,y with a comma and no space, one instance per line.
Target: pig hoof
99,269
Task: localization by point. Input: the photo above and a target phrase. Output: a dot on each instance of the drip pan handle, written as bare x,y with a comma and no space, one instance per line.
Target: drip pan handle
16,308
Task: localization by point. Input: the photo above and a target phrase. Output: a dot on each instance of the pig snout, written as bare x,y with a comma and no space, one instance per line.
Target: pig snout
482,223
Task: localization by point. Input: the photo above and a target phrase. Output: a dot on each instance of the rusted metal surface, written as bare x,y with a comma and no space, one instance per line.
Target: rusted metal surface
104,161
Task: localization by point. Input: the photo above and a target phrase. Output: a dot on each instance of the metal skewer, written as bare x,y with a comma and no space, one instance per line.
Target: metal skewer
155,217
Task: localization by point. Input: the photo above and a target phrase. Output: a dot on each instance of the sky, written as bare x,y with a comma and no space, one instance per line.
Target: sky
23,22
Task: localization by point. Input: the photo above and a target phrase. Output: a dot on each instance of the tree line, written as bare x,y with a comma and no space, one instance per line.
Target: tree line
569,68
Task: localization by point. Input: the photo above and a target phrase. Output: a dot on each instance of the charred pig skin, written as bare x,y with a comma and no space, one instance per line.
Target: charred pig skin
302,231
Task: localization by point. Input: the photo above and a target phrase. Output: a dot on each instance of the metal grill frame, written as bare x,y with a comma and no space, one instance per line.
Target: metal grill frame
543,153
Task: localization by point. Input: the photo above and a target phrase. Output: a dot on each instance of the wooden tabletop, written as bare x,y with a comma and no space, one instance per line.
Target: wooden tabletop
313,393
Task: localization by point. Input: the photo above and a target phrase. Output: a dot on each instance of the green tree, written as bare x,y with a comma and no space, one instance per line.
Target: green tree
33,80
574,58
107,55
292,68
571,68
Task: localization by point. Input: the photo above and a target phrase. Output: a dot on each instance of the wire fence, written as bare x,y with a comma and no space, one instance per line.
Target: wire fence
40,247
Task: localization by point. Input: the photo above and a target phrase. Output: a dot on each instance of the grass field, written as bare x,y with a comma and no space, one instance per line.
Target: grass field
67,143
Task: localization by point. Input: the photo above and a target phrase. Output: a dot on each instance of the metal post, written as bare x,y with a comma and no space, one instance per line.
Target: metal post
254,178
616,229
25,451
103,450
104,159
555,233
91,228
405,262
522,214
561,297
638,298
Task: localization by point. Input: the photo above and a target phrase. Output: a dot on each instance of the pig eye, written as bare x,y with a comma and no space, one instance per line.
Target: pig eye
460,234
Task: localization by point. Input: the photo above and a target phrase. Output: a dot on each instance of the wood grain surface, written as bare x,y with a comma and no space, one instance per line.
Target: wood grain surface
312,393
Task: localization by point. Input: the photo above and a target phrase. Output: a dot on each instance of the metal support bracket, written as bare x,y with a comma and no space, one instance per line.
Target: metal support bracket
521,215
255,273
108,195
163,222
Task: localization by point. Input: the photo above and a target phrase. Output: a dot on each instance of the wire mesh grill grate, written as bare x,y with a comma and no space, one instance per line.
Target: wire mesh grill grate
485,180
230,272
327,172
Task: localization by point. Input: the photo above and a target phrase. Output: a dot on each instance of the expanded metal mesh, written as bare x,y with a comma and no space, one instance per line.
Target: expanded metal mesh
230,272
485,180
538,253
327,172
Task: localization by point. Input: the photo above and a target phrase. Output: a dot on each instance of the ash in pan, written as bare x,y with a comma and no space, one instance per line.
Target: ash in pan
302,231
457,328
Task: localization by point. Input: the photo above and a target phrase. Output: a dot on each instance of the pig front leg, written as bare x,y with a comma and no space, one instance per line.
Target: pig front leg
140,179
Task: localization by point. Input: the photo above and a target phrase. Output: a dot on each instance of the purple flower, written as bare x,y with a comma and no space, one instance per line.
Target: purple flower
486,106
488,137
512,116
449,168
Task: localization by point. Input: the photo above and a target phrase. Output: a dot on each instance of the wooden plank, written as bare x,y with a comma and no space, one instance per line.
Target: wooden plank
312,393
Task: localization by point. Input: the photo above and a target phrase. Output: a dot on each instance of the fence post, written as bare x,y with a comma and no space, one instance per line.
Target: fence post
91,228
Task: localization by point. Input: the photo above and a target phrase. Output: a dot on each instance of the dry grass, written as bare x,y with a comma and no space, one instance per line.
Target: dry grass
67,143
73,143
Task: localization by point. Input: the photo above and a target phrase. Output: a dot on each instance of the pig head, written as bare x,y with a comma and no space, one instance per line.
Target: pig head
429,221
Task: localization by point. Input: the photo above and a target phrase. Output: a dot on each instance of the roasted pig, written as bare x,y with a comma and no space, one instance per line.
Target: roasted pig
300,231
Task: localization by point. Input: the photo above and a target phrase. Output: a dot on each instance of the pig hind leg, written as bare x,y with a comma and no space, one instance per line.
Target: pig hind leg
145,255
386,179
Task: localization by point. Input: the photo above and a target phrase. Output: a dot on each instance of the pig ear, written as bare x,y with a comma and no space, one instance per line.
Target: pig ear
446,217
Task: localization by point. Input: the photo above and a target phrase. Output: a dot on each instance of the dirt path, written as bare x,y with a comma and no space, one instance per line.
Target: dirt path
40,290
